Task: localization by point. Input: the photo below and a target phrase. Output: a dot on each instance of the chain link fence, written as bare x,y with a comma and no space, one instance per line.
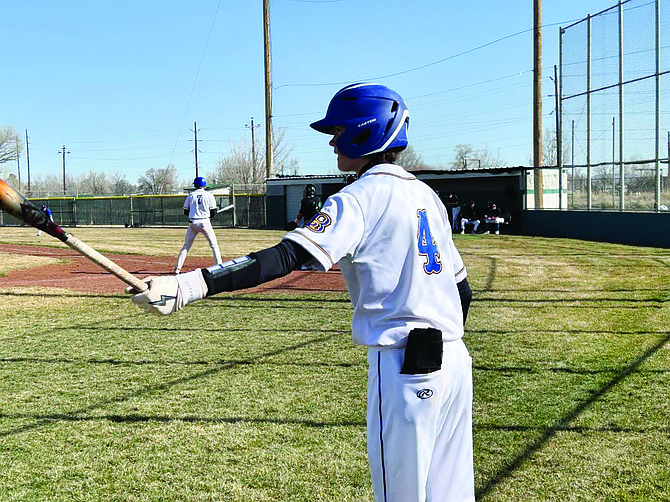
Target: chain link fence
239,206
614,135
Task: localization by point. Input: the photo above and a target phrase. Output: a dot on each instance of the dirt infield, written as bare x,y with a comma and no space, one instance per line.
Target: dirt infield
80,274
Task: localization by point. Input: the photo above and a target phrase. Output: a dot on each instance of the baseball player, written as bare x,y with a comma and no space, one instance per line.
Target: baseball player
390,235
310,204
50,217
470,214
199,206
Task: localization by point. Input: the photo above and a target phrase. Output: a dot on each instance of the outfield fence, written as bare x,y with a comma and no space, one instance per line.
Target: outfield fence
238,208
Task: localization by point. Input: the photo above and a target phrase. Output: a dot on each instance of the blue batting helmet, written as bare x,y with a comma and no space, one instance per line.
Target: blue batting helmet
375,119
199,182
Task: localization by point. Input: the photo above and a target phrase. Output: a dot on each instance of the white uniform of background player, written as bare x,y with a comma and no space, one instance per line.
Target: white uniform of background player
390,235
200,206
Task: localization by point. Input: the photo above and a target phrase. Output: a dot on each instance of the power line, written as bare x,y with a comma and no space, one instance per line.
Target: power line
417,68
195,80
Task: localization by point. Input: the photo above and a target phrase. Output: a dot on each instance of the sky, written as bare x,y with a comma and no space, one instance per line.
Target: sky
120,84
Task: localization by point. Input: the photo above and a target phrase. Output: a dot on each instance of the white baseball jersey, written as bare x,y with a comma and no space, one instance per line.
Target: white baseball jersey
390,235
198,203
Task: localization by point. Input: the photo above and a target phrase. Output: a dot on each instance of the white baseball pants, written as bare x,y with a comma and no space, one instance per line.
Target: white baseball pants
420,428
194,228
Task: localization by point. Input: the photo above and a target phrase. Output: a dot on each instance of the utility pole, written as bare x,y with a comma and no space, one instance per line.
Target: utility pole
63,151
537,103
253,145
18,161
613,159
269,153
572,162
195,131
559,138
28,159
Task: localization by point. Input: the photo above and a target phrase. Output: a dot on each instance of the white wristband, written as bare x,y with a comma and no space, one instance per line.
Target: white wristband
192,286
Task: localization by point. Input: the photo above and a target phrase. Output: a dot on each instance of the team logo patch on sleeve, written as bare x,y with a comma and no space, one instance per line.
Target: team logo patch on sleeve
319,223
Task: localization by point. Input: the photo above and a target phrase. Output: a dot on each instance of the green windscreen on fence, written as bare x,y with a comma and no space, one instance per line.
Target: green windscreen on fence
145,210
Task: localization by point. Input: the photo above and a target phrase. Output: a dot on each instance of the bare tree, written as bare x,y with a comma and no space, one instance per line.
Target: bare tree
119,185
490,159
238,167
12,180
462,152
51,185
284,163
11,144
410,159
550,149
159,181
95,183
466,157
5,171
241,166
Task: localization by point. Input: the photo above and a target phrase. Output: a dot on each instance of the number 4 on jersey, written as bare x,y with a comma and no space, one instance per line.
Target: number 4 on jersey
427,246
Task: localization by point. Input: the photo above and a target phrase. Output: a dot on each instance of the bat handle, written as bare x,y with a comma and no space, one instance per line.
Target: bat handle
106,263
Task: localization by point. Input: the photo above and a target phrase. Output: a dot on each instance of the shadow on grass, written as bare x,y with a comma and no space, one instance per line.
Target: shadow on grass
516,331
46,420
225,297
580,430
189,419
563,422
570,371
121,362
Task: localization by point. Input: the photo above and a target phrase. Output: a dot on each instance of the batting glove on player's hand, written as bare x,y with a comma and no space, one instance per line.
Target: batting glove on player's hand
170,293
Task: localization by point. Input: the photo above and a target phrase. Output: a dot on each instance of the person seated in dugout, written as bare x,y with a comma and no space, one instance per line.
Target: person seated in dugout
493,218
469,215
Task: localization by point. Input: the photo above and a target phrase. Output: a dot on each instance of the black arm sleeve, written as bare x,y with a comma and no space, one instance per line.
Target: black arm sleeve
185,212
465,293
212,213
256,268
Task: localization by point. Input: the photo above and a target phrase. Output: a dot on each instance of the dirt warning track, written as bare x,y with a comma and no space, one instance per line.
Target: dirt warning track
77,273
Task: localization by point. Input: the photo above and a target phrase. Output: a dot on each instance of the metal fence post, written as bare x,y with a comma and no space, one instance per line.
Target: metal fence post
232,189
622,173
588,114
657,184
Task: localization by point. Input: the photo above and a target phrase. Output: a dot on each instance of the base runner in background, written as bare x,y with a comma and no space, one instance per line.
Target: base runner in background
199,206
390,235
50,217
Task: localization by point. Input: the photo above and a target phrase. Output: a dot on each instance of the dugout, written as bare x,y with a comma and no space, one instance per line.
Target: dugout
506,186
284,194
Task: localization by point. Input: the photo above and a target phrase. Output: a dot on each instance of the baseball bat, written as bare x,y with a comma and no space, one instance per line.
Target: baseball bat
12,202
221,209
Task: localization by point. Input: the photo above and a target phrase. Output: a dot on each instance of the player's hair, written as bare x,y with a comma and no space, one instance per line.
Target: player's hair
387,157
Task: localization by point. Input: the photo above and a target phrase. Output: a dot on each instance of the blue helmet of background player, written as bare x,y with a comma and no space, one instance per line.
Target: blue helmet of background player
199,182
309,191
375,119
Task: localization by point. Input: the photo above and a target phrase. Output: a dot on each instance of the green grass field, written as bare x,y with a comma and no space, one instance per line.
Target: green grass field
262,397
